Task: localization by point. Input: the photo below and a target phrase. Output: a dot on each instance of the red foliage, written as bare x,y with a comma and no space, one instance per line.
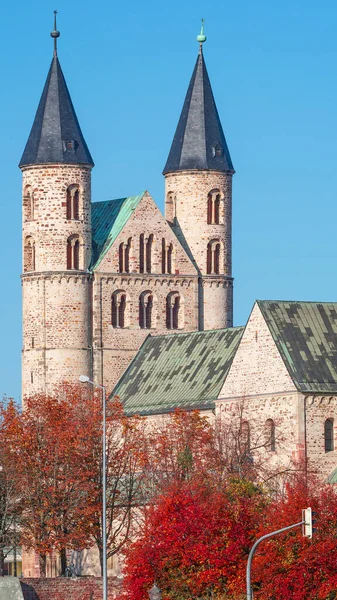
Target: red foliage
289,565
195,540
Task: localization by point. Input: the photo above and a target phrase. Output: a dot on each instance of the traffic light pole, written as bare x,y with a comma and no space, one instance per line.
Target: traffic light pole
251,553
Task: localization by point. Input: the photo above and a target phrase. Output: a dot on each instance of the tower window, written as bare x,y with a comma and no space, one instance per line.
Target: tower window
213,257
73,253
173,311
29,254
328,435
213,207
217,150
145,310
73,202
118,306
28,204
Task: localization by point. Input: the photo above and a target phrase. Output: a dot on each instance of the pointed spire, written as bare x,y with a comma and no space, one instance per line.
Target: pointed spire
56,136
199,142
55,34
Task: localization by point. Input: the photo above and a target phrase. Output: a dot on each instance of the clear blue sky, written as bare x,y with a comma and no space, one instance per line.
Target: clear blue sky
127,65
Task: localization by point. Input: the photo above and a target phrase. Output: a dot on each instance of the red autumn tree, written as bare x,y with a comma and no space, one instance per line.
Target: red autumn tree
195,542
180,446
126,469
59,457
54,494
10,505
290,565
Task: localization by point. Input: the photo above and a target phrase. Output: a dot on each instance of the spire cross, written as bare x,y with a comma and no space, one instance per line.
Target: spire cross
55,34
201,37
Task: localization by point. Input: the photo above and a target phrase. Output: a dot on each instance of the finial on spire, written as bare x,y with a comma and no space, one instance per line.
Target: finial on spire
201,37
55,34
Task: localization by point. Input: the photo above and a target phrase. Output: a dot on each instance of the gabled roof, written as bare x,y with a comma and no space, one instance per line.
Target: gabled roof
199,141
305,334
56,136
108,219
183,370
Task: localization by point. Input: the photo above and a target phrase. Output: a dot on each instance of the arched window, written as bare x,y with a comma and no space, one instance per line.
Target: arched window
73,202
171,207
213,257
145,310
213,207
29,254
127,256
169,258
124,256
121,257
149,253
141,253
270,435
173,311
163,256
73,252
28,203
328,435
166,257
245,438
118,306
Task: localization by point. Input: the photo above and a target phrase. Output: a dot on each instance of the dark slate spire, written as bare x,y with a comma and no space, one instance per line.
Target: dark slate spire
56,136
199,142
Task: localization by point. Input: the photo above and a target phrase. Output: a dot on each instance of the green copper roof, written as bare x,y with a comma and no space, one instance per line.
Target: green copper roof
184,370
108,219
305,334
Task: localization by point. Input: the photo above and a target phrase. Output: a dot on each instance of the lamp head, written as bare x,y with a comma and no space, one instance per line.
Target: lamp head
84,378
155,593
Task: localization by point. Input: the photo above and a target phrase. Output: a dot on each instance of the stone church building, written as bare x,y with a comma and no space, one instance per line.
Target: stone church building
143,303
98,277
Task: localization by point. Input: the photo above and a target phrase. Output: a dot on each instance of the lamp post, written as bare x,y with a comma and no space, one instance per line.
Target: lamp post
85,379
155,593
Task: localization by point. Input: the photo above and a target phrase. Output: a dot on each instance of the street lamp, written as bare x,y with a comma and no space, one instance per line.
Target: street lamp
86,379
155,593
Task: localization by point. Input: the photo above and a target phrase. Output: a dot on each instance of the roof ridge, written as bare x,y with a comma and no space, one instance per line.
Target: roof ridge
298,301
204,331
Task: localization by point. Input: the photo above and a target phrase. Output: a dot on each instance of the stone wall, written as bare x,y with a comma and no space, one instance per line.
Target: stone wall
317,410
61,588
56,301
186,206
257,368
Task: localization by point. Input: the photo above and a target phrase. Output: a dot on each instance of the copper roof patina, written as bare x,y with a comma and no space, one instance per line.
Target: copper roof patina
305,334
108,219
183,370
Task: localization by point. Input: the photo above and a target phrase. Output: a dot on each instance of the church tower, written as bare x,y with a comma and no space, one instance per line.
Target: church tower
56,170
198,196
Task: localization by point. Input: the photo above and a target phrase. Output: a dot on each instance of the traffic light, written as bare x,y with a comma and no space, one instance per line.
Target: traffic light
308,527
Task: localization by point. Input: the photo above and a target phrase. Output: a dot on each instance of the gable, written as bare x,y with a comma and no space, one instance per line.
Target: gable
257,367
305,334
140,215
184,370
108,219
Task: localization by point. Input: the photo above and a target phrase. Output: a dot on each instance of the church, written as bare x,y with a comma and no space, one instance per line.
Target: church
143,303
99,277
